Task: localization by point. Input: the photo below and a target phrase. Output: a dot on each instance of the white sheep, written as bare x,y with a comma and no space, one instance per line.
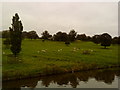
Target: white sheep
91,50
43,50
74,48
59,50
3,52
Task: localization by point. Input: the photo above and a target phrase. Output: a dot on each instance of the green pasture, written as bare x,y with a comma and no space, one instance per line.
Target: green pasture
52,57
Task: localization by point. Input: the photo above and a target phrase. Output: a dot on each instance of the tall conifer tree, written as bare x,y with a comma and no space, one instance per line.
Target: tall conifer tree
16,35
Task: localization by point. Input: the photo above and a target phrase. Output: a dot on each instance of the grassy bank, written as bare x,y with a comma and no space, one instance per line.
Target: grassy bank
49,57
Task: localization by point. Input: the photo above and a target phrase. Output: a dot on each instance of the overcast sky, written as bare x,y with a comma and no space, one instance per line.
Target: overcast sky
85,17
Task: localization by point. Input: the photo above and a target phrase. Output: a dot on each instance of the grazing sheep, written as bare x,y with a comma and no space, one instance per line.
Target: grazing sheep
43,50
59,50
89,51
20,60
3,52
75,49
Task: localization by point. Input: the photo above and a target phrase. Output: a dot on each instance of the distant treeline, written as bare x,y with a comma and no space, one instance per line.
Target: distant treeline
60,36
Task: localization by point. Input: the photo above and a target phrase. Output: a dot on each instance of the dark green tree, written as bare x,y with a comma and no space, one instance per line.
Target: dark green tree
58,36
105,40
82,37
96,39
115,40
24,34
32,35
46,35
16,35
5,34
72,35
61,36
89,38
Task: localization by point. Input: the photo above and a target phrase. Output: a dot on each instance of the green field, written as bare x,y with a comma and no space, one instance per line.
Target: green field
52,57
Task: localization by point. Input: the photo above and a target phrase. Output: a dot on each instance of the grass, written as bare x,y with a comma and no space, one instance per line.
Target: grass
52,57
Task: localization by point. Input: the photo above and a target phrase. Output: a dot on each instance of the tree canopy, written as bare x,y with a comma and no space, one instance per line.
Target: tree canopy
105,40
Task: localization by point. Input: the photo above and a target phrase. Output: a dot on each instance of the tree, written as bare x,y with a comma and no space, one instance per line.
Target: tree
5,34
24,34
88,38
82,37
46,35
64,37
105,40
57,36
72,35
96,39
16,35
32,35
61,36
115,40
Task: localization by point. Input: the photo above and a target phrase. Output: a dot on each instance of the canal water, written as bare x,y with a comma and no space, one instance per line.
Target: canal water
107,78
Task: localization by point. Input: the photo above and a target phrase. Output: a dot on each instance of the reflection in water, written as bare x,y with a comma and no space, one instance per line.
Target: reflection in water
73,79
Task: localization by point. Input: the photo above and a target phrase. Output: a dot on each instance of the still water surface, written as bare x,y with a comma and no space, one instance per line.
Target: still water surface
107,78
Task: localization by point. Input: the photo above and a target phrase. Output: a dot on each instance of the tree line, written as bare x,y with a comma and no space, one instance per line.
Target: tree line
62,36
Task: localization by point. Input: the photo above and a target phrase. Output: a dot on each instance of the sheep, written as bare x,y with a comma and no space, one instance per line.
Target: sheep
43,50
59,50
74,50
3,52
